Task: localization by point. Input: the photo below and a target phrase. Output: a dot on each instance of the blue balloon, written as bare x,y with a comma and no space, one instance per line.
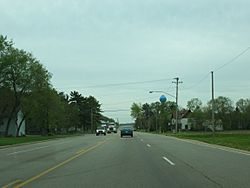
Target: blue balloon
163,99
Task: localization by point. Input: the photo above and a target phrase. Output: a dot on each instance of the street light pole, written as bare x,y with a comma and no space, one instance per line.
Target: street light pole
157,91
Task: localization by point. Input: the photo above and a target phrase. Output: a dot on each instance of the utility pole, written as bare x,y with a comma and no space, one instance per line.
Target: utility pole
156,126
212,78
177,82
91,116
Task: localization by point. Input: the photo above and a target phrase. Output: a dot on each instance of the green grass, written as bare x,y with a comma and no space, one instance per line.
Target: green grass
234,140
19,140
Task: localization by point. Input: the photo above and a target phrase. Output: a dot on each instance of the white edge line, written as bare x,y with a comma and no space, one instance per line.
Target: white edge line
25,151
37,148
170,162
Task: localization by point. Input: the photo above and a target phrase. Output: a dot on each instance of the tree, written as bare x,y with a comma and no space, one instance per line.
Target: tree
223,108
242,105
136,110
6,102
242,114
6,95
147,114
25,86
153,117
136,113
194,104
198,114
21,73
89,110
71,112
167,109
5,47
76,97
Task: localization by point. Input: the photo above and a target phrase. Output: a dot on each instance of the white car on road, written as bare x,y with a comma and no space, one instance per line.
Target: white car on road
100,130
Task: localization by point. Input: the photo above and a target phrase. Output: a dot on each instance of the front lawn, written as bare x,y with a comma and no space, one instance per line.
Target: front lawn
234,140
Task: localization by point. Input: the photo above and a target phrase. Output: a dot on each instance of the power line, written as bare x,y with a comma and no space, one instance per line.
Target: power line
131,101
122,93
198,83
233,59
117,110
117,84
219,68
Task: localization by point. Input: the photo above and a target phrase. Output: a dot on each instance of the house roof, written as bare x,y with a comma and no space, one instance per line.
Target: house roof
182,114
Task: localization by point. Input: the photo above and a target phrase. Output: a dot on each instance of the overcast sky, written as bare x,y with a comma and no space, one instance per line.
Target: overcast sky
101,47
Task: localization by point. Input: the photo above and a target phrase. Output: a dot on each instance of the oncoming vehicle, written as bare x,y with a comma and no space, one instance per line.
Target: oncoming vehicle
126,131
100,130
112,129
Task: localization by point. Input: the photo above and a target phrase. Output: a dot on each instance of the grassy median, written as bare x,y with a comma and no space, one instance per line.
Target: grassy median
234,140
20,140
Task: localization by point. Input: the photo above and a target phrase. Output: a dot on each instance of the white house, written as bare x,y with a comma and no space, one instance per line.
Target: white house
13,128
183,120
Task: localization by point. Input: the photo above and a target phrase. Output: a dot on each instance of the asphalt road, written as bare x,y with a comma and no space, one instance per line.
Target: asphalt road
146,160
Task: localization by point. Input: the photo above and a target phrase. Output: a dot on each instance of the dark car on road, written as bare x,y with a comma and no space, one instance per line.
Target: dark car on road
126,131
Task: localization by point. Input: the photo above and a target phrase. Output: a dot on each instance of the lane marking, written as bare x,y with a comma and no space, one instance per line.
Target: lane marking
12,183
58,165
149,145
110,138
142,140
60,143
37,148
34,143
28,150
223,148
170,162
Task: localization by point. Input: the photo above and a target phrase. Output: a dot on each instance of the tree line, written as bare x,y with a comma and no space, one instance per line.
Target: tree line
25,85
158,116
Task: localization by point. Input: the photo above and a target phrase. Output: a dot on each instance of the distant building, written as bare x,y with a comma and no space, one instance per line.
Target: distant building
12,127
218,125
127,124
183,120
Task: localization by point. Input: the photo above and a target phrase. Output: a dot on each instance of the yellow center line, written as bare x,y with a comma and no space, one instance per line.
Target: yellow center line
57,166
110,138
80,151
12,183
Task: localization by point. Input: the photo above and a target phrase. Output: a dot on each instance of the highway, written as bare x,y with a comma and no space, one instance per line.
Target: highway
146,161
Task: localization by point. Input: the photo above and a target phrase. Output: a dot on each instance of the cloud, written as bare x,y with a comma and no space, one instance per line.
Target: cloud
92,42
